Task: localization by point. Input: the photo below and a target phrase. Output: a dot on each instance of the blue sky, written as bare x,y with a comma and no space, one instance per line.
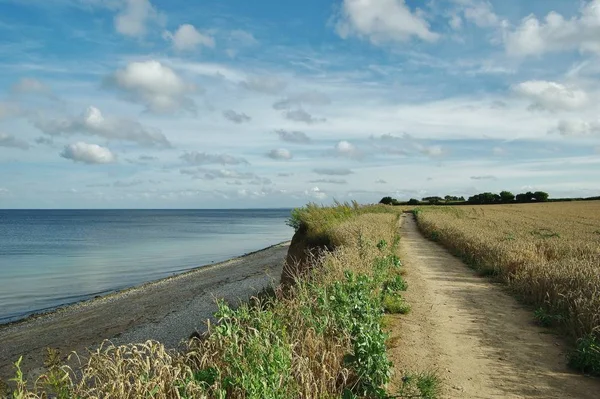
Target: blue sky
231,103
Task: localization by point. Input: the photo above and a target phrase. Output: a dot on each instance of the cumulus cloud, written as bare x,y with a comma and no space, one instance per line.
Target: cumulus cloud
556,33
333,171
330,181
347,149
154,85
235,117
264,84
551,96
134,16
280,154
301,115
88,153
577,128
187,38
93,123
300,99
316,192
381,21
295,137
242,38
10,141
30,86
202,158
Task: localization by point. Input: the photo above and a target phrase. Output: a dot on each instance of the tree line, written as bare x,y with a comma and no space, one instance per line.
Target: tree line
504,197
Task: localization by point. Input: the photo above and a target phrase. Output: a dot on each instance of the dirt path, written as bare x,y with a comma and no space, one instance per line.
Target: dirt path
480,340
167,310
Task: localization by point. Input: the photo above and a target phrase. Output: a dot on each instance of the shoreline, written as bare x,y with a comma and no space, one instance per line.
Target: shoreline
167,310
110,294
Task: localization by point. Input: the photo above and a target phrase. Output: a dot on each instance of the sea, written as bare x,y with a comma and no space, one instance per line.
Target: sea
51,258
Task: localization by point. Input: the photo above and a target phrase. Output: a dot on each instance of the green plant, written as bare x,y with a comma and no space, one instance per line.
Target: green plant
395,284
395,304
425,386
545,319
586,357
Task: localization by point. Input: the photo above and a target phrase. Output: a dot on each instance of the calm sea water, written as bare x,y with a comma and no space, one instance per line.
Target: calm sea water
50,258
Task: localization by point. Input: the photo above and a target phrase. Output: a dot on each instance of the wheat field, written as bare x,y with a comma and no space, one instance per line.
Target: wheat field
549,254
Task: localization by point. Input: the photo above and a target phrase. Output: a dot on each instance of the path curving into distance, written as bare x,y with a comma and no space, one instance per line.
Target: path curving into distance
481,341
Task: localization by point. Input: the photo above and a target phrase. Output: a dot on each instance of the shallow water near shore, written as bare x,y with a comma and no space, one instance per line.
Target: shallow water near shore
50,258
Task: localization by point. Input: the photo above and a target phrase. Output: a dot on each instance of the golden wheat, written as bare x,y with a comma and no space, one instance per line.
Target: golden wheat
548,253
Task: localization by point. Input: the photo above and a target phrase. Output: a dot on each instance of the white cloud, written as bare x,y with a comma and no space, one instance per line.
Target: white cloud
380,181
243,38
213,174
235,117
293,136
305,98
187,38
498,151
430,151
202,158
9,109
556,33
92,122
455,22
134,16
347,149
484,177
316,192
280,154
552,96
382,21
300,115
88,153
30,85
577,128
481,13
10,141
154,85
264,84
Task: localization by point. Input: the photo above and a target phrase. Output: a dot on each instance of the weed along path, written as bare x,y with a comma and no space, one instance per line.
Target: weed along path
481,341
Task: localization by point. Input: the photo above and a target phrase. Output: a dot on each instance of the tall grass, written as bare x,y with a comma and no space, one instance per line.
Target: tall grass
321,338
549,254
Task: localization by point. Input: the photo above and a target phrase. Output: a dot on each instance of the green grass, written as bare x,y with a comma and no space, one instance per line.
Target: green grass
586,357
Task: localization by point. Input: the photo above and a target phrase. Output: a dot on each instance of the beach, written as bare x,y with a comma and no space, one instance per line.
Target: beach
167,310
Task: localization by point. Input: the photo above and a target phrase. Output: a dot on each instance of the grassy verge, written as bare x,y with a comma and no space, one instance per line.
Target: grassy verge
321,338
548,261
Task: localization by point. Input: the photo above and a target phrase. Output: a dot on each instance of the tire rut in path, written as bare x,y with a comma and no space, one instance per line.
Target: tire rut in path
479,339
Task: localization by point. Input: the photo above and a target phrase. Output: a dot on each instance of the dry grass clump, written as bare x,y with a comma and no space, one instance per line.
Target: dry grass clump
548,253
320,339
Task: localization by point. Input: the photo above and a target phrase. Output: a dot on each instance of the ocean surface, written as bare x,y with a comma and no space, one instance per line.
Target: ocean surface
50,258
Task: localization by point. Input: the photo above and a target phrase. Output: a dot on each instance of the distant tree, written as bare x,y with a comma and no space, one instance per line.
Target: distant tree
387,201
540,196
506,196
462,198
433,200
413,201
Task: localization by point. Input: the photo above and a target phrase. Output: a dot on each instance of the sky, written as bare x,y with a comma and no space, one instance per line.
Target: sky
270,103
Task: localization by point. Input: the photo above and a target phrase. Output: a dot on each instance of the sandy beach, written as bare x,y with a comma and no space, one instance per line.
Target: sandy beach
167,310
